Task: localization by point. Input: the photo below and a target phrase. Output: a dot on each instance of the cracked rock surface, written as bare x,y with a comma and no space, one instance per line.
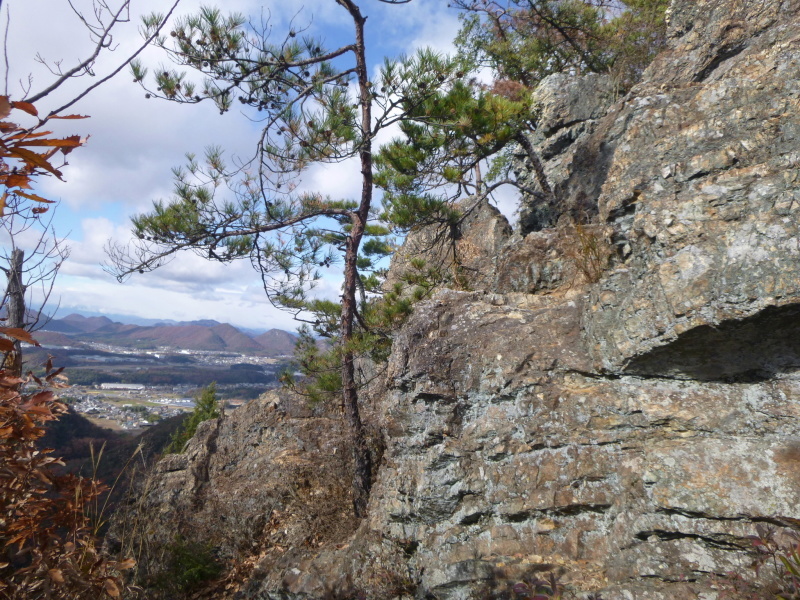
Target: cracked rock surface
517,454
629,433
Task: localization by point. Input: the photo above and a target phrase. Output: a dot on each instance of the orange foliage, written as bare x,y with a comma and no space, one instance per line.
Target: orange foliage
19,164
49,548
48,544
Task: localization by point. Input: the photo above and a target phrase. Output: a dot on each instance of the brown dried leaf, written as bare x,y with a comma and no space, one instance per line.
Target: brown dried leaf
42,397
26,135
67,149
37,410
26,107
111,588
44,478
126,564
6,345
19,334
34,197
34,159
17,180
72,141
48,153
56,575
53,374
5,107
67,117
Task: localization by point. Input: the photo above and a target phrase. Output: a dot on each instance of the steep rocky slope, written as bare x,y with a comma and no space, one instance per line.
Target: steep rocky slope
629,433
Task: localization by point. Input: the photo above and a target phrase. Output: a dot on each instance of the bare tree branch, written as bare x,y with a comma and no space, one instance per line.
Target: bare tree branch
103,42
5,48
122,65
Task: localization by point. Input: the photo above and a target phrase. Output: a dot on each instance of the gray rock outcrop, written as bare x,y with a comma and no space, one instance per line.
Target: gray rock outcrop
569,111
703,188
462,254
629,433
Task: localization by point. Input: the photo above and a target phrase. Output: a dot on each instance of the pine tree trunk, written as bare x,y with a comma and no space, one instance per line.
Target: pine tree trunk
15,297
538,168
362,460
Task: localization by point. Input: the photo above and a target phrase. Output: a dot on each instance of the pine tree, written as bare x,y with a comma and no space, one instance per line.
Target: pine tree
524,41
317,105
206,407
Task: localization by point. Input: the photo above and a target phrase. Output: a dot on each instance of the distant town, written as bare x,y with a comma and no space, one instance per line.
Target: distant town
127,377
133,406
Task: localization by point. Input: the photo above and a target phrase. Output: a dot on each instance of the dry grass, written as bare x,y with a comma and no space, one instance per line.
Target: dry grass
589,248
252,523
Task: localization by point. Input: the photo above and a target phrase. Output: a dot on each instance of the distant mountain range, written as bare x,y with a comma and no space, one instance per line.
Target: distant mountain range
187,335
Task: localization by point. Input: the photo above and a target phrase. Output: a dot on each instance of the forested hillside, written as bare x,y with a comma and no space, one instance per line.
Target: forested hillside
210,335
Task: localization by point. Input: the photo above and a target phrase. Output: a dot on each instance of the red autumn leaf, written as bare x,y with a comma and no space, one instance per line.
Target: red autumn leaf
27,107
36,160
67,117
38,210
72,141
34,197
17,180
6,345
19,334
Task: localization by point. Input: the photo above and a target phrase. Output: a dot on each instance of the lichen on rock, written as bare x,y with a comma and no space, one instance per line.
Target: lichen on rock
628,433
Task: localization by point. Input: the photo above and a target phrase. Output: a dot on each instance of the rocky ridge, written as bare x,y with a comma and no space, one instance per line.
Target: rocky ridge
75,330
630,432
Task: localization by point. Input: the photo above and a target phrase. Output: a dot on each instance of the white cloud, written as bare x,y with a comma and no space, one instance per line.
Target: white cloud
507,201
236,307
135,142
339,180
436,29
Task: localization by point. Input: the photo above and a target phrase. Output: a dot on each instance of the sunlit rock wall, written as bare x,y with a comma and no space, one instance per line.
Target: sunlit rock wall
628,433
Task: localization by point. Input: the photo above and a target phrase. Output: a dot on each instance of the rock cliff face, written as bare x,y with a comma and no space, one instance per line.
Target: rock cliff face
629,433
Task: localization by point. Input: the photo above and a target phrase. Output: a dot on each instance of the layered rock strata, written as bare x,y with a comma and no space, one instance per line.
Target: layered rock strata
629,433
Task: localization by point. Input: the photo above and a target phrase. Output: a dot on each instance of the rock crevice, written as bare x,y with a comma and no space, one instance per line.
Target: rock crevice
629,432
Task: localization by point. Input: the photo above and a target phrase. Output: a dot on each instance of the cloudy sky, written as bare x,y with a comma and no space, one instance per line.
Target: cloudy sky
135,142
